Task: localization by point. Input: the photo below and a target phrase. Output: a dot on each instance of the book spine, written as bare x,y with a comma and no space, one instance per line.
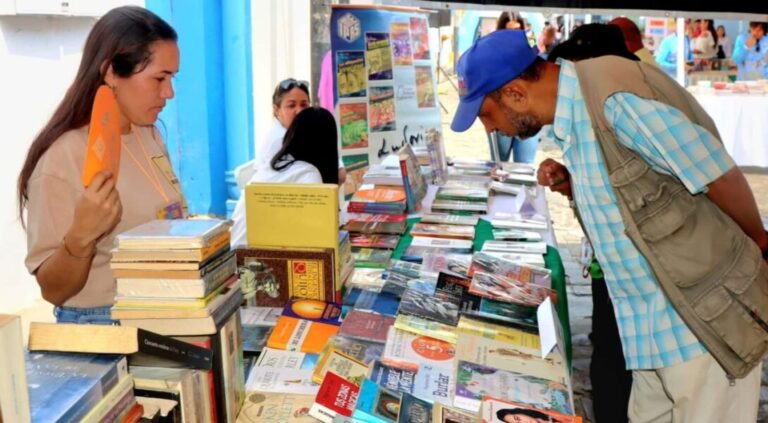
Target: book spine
216,277
182,352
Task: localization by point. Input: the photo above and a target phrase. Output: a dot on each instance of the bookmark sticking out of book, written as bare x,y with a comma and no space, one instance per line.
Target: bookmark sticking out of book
103,151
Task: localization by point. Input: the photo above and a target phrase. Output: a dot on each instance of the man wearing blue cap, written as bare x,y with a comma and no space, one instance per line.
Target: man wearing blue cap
671,218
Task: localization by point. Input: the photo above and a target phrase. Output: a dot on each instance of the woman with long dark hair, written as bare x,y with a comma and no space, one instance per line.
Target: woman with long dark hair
71,228
309,155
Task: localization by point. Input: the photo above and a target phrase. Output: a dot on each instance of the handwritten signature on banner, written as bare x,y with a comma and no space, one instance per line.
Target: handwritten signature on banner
412,139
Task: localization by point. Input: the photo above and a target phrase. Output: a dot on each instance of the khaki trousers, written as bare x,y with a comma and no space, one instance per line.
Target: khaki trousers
695,391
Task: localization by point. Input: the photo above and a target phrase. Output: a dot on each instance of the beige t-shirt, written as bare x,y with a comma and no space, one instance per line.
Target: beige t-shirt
56,186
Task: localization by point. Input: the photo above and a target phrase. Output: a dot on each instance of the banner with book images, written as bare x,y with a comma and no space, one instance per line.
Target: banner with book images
384,85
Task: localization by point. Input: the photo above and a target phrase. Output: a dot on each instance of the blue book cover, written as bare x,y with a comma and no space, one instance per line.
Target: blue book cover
414,410
393,378
65,387
376,405
383,303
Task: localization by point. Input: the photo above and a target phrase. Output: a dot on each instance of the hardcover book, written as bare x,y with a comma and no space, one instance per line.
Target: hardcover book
276,215
336,396
171,234
366,325
278,274
475,381
494,410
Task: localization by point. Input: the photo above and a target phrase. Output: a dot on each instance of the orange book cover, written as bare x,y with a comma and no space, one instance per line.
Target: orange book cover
294,334
380,195
103,151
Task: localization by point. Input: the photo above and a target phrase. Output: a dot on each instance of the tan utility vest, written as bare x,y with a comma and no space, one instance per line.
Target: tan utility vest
711,272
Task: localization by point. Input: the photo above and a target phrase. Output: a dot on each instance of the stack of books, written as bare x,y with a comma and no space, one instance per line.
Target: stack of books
378,200
175,277
179,278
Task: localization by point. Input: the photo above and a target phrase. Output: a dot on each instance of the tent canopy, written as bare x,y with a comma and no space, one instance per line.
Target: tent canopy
742,10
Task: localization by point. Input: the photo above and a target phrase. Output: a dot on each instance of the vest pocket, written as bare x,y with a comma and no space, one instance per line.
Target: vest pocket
737,310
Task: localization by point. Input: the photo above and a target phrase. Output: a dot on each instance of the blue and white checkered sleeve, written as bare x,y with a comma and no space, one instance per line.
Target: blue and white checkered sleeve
667,140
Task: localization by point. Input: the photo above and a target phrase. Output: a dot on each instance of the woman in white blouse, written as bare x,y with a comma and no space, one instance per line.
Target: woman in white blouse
705,45
290,97
308,155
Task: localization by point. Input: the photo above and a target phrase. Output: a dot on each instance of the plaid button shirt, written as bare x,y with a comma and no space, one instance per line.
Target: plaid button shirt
653,334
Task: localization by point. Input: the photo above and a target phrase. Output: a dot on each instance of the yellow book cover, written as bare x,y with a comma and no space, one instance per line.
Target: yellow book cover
294,334
349,368
527,342
294,215
506,356
424,327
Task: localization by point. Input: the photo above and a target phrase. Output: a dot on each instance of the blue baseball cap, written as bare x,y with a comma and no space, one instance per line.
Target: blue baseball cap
491,62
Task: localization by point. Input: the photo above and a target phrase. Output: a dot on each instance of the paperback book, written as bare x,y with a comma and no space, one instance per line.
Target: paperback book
372,258
361,350
435,383
460,245
376,404
442,307
515,247
475,381
294,334
443,231
494,410
449,219
281,381
516,235
414,410
462,194
388,242
393,378
276,408
367,326
336,397
444,414
342,365
424,327
378,224
407,350
501,288
313,310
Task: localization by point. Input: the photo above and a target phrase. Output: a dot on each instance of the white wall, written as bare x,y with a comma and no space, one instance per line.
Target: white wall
281,49
38,59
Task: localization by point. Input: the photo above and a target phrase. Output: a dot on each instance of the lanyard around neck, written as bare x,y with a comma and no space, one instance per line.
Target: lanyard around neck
150,174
